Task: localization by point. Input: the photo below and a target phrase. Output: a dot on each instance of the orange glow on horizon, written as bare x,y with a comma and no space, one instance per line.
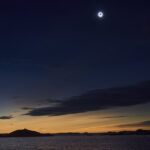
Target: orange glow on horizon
85,122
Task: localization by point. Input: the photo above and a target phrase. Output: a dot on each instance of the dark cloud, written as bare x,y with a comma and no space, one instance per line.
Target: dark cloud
139,124
6,117
111,117
47,101
55,101
27,108
98,100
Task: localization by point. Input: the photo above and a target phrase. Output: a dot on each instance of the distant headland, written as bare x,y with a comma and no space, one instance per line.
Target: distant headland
29,133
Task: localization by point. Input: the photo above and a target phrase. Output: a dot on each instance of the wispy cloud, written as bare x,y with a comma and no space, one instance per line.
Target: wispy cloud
6,117
16,97
111,117
27,108
98,100
60,67
34,63
53,101
138,124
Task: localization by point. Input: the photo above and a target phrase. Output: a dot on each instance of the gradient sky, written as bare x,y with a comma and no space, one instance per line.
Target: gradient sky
63,69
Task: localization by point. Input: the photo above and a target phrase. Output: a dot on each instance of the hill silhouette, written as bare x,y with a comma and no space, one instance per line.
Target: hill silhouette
24,133
30,133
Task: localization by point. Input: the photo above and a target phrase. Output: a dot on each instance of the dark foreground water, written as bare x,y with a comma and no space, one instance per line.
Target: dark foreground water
77,143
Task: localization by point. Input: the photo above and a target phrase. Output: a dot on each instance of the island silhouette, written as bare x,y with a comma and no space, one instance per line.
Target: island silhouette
24,133
30,133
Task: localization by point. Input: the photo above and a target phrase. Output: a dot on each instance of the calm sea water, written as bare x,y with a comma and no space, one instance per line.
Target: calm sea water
77,143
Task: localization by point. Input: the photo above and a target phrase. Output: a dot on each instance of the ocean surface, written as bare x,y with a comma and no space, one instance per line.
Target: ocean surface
131,142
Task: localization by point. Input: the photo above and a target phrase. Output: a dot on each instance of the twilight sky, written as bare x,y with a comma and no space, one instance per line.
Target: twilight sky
63,69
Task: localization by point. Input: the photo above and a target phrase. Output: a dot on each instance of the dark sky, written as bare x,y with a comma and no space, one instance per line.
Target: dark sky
58,49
